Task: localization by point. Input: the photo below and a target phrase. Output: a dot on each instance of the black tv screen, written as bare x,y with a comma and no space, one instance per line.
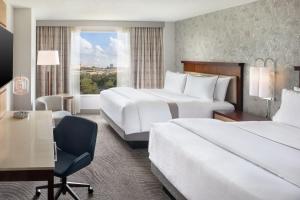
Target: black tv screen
6,56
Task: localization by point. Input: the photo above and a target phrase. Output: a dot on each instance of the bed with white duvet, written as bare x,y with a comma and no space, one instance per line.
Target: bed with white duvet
211,159
132,111
136,110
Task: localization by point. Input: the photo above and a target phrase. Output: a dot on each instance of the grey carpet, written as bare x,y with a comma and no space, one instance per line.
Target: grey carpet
117,173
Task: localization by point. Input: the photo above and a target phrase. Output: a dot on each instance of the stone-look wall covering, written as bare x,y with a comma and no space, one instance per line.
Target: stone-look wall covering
266,28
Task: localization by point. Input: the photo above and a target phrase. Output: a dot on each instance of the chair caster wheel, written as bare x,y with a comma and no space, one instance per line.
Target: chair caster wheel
91,190
37,193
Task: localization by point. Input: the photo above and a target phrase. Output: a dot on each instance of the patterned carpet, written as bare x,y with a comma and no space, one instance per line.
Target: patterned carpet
117,173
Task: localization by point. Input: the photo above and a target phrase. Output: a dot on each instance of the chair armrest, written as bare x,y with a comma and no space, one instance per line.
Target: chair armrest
54,102
80,162
39,105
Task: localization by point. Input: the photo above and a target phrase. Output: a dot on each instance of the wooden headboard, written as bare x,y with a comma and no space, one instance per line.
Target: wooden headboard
297,68
221,68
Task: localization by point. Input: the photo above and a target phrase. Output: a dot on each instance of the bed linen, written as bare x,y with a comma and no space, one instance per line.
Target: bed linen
135,111
210,159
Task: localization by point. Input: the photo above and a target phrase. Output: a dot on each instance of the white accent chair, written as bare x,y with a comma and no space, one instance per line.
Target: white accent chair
55,104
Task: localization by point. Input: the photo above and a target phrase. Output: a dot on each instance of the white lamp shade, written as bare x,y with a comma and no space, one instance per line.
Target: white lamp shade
265,83
254,81
48,58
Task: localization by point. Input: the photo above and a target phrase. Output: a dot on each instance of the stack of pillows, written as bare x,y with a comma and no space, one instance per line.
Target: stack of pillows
205,88
289,112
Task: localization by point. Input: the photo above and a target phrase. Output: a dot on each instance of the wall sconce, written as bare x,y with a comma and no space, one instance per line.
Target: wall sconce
21,85
21,88
262,81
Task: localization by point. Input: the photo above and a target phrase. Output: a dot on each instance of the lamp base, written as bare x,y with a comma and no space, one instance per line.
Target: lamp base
268,116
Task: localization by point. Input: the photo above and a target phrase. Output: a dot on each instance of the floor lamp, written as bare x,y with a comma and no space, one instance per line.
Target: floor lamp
48,58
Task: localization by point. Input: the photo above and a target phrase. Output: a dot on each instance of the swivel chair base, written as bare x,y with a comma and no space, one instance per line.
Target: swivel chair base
65,187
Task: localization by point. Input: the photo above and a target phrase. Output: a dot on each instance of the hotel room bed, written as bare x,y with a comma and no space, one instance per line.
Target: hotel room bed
210,159
131,112
134,111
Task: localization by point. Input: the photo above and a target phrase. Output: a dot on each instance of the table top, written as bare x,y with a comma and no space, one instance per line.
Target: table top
240,116
27,144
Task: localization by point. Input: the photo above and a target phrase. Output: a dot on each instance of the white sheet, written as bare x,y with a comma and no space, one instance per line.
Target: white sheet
209,159
136,110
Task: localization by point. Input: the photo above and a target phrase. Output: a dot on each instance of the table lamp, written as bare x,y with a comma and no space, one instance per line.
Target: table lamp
48,58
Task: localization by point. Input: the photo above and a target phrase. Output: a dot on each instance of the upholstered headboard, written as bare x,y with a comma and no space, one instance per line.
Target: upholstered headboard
234,70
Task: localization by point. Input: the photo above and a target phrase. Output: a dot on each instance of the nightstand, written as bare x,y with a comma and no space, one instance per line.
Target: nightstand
236,116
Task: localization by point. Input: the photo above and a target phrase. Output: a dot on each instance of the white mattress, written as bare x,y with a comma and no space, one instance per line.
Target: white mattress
210,159
136,110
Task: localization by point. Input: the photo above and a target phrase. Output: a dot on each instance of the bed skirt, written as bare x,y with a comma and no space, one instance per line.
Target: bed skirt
135,140
166,183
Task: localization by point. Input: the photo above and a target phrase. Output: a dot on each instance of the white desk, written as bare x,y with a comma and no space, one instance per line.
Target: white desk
26,148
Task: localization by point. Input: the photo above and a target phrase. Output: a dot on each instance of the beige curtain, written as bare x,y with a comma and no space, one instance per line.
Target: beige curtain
147,57
53,38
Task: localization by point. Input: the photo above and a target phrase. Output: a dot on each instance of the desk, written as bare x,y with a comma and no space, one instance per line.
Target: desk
26,149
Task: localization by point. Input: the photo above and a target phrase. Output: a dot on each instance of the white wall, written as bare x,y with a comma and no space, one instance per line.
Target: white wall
24,53
169,46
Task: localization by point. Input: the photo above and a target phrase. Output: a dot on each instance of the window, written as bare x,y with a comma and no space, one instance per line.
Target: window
98,61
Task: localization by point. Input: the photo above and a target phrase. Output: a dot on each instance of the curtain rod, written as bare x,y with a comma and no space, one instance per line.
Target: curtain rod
82,23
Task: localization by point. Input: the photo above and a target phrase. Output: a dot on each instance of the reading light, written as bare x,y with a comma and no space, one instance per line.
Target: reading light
262,81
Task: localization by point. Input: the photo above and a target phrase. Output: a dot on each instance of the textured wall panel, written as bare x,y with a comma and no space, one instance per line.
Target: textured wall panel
266,28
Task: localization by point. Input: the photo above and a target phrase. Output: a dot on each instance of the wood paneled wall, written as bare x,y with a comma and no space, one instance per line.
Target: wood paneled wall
3,104
2,13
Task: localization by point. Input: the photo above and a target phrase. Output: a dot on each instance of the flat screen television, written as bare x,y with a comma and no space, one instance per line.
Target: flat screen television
6,56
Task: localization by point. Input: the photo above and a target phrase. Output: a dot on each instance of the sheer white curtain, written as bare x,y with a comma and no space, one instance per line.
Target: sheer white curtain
75,68
124,78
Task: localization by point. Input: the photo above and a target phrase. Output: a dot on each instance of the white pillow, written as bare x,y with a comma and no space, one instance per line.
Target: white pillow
175,82
296,89
221,88
202,87
289,109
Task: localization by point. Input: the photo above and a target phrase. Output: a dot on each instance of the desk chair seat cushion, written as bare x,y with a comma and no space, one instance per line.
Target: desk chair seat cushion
59,115
67,163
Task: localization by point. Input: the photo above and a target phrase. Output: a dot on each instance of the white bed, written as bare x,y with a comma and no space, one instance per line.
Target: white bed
131,112
210,159
134,111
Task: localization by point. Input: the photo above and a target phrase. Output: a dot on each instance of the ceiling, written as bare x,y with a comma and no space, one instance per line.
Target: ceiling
124,10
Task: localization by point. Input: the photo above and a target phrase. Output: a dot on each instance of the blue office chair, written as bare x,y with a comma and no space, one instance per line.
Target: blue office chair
75,138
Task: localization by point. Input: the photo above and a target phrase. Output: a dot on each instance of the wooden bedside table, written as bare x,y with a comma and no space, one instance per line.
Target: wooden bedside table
236,116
